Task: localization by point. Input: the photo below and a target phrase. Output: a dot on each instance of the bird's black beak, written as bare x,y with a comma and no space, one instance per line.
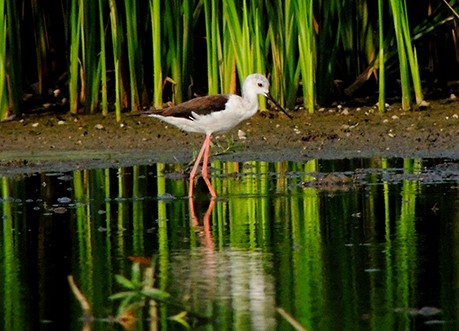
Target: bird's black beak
278,105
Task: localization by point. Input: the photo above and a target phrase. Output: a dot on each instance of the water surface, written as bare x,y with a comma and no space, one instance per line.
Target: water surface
370,244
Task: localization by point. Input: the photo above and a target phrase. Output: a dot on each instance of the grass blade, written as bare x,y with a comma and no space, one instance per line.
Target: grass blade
103,60
134,52
76,11
3,64
117,39
155,13
382,74
306,42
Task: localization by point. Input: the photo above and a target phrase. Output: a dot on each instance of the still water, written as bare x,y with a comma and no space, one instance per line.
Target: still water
363,244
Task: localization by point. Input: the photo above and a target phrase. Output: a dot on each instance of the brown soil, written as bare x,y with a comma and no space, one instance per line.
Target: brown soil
50,141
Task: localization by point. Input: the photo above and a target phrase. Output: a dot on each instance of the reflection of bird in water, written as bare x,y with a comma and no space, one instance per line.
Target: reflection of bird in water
203,231
216,114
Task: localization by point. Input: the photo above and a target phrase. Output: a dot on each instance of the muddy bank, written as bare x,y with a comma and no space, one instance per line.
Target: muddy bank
63,142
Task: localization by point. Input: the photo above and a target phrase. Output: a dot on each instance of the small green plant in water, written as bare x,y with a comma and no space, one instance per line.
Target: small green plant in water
138,291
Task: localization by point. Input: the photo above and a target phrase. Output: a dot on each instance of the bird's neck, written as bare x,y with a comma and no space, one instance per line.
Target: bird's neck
251,99
250,102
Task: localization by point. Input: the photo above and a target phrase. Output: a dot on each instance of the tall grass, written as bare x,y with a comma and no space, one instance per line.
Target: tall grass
134,54
117,35
3,64
10,59
14,44
411,52
178,18
76,16
155,14
382,73
102,66
247,35
41,43
397,9
91,69
330,26
120,57
213,45
283,40
307,50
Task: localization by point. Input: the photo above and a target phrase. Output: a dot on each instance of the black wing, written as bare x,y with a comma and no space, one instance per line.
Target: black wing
201,106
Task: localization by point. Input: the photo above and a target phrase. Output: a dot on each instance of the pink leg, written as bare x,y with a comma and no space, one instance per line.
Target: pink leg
196,165
204,170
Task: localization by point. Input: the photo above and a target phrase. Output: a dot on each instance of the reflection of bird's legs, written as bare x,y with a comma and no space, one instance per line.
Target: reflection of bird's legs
196,165
206,221
194,218
207,241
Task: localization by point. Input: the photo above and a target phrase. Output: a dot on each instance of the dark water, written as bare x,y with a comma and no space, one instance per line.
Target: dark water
338,245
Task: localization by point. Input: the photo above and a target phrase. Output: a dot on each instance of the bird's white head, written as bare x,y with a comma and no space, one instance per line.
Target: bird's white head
255,84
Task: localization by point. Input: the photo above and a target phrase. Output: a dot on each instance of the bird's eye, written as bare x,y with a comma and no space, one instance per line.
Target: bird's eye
260,84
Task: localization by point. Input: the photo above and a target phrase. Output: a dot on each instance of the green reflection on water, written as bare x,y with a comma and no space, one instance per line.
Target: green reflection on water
344,252
12,297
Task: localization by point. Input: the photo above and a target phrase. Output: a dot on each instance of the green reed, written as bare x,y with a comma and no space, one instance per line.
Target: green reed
3,64
283,39
234,36
358,43
10,57
89,55
315,43
333,32
227,62
403,62
238,39
307,50
102,66
14,44
247,34
406,54
213,44
87,60
412,56
41,44
382,73
117,39
134,54
178,36
76,14
155,13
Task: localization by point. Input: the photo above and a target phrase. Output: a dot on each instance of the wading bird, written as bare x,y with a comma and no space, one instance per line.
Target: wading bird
216,114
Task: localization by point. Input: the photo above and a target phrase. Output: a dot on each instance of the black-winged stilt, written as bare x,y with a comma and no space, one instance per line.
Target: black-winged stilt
216,114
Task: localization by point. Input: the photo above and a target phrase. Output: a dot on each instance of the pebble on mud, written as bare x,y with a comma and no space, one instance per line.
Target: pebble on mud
64,200
60,210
